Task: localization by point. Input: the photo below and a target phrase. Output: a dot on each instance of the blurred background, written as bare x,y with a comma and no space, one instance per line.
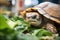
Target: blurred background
20,5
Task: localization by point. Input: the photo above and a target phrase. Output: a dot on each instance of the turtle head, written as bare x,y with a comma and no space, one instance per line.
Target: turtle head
34,18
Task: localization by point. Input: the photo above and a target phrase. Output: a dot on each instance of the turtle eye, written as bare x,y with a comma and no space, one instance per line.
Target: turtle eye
34,17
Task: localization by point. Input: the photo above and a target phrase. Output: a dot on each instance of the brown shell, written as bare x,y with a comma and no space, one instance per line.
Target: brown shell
50,11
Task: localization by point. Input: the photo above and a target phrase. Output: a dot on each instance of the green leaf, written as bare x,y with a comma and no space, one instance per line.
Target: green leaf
22,25
26,37
3,23
42,32
15,18
11,23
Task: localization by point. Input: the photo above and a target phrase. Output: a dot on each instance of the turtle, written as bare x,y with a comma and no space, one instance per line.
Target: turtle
46,14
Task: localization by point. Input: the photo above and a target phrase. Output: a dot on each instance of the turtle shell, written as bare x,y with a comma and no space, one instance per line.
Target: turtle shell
49,10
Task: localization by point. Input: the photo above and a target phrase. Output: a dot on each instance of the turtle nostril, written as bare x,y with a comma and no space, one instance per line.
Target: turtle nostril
34,17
